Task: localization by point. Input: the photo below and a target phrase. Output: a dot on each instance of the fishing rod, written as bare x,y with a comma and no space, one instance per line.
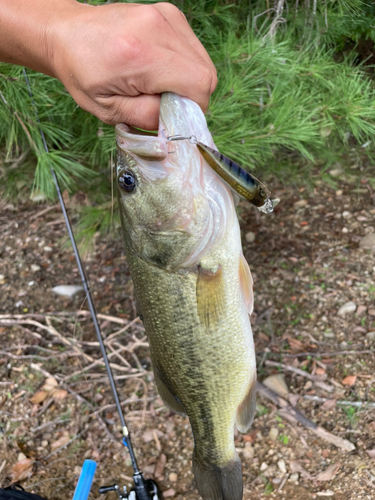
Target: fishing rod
143,489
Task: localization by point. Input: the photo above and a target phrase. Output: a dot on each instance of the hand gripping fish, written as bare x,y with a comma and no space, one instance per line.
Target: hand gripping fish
193,287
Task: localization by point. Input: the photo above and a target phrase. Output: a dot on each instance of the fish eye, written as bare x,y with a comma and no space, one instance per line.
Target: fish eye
127,181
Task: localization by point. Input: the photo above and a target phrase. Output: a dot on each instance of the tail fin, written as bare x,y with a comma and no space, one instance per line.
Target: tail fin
218,483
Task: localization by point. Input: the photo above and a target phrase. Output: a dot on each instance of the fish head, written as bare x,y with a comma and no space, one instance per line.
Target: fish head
173,207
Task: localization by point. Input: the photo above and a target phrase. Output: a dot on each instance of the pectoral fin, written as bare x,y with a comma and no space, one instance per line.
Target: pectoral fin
167,396
246,410
246,283
210,296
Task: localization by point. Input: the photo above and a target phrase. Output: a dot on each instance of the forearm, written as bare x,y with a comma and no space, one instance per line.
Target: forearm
28,30
115,59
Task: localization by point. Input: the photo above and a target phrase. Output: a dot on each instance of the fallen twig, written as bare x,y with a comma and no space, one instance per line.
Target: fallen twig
289,413
357,404
322,354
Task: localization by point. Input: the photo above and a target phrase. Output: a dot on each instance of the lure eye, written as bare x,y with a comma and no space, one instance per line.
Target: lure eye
126,181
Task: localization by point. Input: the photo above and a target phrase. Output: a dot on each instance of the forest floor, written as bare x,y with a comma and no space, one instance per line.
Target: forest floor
56,408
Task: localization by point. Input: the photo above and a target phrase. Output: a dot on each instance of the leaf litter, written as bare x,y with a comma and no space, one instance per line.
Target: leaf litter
303,274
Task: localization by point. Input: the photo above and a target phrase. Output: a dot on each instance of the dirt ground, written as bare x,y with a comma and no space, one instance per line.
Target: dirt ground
56,408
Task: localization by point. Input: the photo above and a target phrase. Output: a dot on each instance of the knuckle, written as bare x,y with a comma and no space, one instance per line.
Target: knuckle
205,81
214,80
151,15
168,8
132,48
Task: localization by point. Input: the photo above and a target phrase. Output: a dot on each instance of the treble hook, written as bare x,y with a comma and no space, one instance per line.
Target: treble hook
192,138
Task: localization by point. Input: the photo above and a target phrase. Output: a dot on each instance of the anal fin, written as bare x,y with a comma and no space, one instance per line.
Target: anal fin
246,410
246,283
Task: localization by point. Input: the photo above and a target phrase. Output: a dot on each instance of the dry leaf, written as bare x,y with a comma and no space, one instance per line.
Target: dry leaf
148,436
159,469
39,397
371,453
22,470
329,473
60,442
320,371
295,466
328,405
293,399
59,394
350,380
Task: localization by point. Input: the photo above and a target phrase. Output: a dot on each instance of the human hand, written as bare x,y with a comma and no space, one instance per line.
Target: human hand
115,59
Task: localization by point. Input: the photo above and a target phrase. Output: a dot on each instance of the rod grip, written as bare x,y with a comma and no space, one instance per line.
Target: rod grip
85,480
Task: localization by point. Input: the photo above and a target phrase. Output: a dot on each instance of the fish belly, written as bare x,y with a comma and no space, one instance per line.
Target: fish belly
203,371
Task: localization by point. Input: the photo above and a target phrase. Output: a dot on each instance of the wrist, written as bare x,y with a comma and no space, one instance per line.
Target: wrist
58,32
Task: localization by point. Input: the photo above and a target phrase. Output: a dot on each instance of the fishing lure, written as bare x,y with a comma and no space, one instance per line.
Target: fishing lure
242,182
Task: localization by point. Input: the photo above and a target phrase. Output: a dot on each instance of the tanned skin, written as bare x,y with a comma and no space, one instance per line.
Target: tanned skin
114,59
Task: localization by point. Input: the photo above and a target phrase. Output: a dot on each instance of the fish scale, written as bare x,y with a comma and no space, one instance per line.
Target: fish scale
192,286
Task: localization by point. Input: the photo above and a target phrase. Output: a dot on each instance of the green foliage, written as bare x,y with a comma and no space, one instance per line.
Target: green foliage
284,438
286,100
351,413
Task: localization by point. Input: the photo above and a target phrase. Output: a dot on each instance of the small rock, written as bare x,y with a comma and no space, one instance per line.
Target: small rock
348,307
48,249
346,214
367,242
67,290
77,470
339,192
277,383
371,336
263,466
294,477
248,452
250,237
300,203
273,434
21,457
335,172
173,477
35,268
371,312
2,279
308,385
169,493
276,480
345,230
281,465
44,443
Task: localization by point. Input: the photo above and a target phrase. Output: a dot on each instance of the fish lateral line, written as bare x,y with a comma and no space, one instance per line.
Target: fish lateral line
237,178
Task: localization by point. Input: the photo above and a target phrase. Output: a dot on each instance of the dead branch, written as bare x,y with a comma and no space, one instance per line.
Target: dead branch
356,404
289,413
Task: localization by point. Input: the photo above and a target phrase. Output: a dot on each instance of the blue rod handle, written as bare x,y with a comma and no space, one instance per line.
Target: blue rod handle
85,480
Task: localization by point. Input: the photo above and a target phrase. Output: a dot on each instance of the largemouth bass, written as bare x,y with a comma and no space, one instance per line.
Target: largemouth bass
193,287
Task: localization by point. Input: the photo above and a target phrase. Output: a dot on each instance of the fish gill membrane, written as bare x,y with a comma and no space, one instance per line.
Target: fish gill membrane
192,285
